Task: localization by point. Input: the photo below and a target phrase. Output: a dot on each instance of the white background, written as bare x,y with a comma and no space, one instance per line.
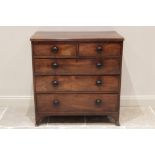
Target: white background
76,13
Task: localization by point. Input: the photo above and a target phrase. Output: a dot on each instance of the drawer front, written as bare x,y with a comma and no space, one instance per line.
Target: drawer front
73,66
45,84
78,103
97,49
54,50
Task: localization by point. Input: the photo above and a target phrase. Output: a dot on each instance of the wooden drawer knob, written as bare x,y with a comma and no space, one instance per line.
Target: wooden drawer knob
98,102
55,65
56,103
55,49
99,49
98,82
55,83
99,65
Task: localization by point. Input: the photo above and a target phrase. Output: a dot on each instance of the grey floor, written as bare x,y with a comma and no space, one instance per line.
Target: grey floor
19,115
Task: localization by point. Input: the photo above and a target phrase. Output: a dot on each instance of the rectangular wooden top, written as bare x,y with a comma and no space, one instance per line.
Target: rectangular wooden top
76,36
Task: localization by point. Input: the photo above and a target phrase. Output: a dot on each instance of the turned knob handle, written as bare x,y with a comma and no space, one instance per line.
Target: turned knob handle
98,102
55,65
99,65
55,49
99,49
98,82
56,102
55,83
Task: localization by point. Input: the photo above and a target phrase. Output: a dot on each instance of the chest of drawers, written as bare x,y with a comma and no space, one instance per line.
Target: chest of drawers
77,74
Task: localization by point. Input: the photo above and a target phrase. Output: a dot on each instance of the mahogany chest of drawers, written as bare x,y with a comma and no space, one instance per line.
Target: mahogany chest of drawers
77,74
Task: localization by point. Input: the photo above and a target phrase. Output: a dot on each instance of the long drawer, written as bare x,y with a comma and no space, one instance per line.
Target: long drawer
77,66
46,84
77,103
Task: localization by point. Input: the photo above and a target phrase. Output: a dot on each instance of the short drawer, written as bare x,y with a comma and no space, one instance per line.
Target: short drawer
46,84
54,49
77,67
77,103
97,49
